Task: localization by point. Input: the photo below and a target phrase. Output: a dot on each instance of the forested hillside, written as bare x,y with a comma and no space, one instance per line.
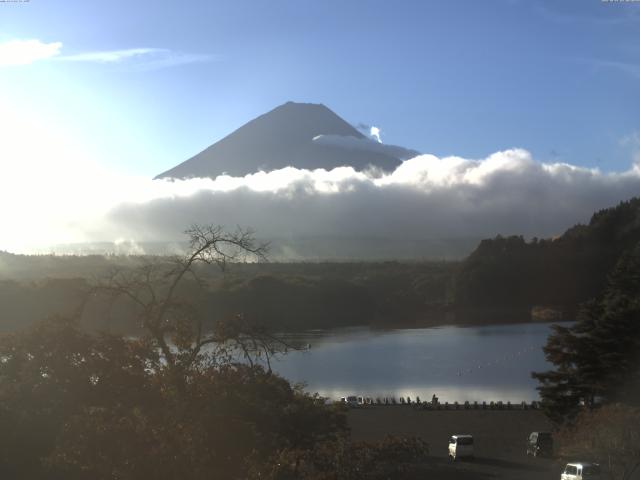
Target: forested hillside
561,272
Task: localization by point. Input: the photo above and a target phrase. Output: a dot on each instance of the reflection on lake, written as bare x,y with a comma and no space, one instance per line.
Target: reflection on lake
455,363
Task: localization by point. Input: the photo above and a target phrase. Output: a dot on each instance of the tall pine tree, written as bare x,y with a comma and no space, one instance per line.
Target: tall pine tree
597,358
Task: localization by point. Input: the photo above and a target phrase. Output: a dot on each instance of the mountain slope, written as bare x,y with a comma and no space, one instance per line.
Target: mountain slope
302,135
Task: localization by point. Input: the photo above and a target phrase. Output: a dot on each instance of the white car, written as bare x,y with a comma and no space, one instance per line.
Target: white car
351,401
460,446
580,471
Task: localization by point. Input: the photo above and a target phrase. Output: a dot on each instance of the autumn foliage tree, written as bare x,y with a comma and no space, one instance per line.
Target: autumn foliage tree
609,435
344,460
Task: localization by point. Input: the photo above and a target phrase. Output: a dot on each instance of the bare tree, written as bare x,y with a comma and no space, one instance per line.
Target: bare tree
174,326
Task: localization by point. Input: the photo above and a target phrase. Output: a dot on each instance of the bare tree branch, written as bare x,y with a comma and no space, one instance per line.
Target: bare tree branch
173,324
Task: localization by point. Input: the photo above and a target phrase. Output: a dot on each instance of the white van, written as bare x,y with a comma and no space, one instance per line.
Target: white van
460,446
580,471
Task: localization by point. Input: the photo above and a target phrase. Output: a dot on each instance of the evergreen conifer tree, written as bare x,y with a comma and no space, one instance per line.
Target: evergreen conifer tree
598,358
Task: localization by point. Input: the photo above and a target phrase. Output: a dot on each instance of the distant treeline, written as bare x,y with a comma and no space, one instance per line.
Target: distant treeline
502,280
286,296
329,295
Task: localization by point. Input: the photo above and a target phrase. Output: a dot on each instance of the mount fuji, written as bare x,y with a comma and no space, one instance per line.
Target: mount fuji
301,135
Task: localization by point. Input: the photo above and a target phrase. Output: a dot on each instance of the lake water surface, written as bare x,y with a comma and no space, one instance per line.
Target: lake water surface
455,363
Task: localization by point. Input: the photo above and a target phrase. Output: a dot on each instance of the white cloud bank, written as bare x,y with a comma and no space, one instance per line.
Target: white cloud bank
51,194
426,198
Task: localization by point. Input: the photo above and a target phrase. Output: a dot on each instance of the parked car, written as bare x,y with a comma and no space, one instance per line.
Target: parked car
351,401
460,446
540,444
580,471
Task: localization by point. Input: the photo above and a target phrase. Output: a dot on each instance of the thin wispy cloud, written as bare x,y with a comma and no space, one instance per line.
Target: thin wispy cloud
597,64
26,52
631,141
143,58
111,56
629,68
612,13
174,59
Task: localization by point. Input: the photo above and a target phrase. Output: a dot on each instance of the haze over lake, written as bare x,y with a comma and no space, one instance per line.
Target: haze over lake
455,363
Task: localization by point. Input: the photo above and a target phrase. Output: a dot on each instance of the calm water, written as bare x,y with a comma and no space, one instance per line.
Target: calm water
455,363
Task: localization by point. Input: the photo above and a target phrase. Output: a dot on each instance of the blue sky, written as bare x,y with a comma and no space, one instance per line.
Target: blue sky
467,78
